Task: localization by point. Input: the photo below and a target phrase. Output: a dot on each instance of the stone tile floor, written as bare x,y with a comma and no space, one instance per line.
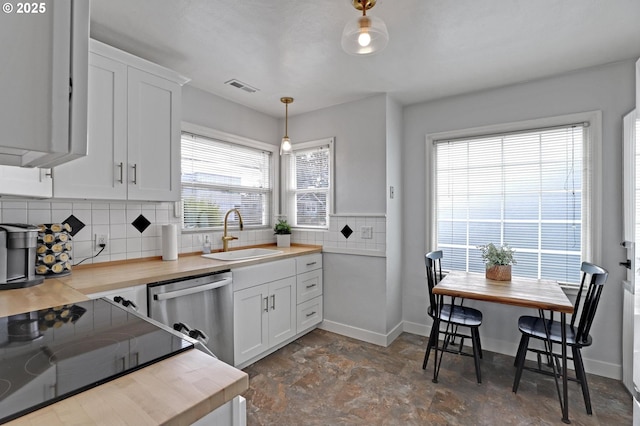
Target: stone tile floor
327,379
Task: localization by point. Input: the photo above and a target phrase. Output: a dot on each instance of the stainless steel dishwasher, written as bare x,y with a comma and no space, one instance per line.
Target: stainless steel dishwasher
200,306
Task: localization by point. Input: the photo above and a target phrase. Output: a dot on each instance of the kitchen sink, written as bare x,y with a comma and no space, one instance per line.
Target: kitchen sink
243,254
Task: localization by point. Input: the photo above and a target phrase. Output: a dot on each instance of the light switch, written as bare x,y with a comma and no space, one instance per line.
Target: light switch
366,232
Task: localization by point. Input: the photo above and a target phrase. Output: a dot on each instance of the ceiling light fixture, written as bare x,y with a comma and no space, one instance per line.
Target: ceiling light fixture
285,146
364,35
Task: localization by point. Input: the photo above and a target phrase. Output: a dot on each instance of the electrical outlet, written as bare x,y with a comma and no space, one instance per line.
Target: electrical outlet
100,241
366,232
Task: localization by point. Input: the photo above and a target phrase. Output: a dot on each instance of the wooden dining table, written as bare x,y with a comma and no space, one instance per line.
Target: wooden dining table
545,295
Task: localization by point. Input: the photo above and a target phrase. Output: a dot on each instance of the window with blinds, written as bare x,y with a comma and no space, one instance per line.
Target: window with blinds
218,176
526,189
308,184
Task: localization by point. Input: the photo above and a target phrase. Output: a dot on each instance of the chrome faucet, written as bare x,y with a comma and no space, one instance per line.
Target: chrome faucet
226,238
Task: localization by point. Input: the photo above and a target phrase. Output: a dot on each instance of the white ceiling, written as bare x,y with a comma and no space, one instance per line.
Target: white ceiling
437,48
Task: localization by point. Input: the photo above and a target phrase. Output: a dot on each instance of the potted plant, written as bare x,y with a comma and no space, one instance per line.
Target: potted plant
498,261
283,233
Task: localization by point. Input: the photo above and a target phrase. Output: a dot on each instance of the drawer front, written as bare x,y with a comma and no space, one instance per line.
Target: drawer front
308,263
309,314
253,275
309,285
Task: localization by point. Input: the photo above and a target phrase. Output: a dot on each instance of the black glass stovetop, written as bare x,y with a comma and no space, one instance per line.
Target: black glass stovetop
51,354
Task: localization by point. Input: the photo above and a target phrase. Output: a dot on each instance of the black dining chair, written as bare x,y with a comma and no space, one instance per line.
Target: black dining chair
577,335
454,316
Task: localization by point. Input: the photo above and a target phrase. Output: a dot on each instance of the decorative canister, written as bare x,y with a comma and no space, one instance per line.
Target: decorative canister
54,249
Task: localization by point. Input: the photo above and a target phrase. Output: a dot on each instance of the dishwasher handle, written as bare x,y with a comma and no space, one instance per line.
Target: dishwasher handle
192,290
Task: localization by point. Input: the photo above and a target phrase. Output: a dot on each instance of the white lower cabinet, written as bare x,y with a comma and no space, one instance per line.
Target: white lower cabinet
274,303
130,297
264,316
309,292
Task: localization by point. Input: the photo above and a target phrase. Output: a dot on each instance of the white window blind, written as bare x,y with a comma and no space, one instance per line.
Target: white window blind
528,189
218,176
309,184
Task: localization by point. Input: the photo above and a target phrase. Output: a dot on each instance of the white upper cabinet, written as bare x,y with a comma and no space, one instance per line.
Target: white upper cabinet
43,82
26,182
154,137
101,174
134,132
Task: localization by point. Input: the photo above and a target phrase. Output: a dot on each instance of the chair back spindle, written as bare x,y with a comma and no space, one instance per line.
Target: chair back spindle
596,277
433,264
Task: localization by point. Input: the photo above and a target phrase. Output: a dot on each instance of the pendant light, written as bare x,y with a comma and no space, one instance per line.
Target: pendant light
364,35
285,146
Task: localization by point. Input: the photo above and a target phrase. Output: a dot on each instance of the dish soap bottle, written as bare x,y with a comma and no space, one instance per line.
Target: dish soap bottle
206,247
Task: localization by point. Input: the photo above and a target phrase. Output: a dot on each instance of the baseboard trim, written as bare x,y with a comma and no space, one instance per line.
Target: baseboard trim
599,368
362,334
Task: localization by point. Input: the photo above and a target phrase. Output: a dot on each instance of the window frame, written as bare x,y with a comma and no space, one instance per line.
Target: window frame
592,155
207,132
287,207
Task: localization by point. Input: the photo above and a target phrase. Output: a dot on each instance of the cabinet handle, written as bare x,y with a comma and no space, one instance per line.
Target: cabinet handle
266,304
311,314
311,263
273,302
135,174
123,364
134,359
311,286
121,166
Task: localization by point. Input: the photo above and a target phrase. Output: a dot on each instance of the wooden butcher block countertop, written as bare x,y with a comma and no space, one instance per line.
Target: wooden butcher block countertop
96,278
178,390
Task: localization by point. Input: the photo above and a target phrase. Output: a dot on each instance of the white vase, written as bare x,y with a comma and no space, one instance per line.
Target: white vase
284,240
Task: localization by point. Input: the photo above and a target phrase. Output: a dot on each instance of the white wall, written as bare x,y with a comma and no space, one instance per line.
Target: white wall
203,108
359,129
608,88
355,285
394,214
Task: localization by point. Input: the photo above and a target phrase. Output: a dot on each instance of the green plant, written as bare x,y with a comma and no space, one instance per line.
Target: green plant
493,255
282,227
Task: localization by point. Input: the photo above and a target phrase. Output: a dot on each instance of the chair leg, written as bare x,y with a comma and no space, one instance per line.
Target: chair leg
582,377
519,352
430,344
524,344
478,343
476,351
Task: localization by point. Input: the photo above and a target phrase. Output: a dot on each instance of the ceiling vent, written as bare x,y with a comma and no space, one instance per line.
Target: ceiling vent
240,85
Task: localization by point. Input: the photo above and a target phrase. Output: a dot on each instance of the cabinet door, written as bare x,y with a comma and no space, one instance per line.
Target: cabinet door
102,173
25,182
34,106
154,137
282,310
250,322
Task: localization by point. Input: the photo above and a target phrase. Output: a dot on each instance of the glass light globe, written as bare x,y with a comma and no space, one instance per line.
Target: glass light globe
286,144
359,29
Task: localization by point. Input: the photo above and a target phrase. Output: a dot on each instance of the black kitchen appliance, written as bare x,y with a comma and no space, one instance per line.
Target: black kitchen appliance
53,353
18,243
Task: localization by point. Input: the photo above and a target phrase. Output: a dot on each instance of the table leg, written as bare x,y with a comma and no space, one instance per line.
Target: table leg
565,390
436,324
562,396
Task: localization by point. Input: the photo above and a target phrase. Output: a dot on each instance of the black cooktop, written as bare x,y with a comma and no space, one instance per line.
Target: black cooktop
53,353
